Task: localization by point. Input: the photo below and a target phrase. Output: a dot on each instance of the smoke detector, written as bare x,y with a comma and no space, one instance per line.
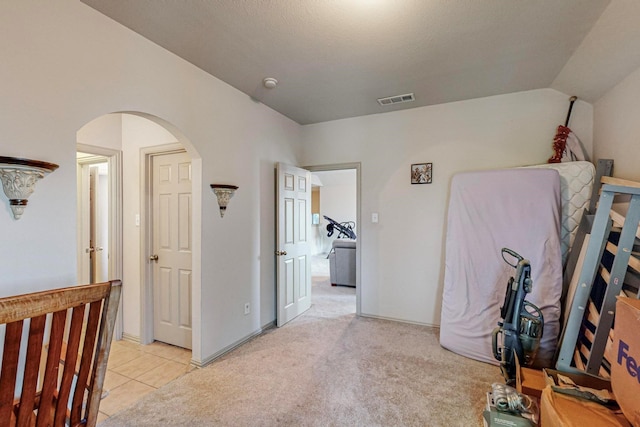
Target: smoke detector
397,99
270,82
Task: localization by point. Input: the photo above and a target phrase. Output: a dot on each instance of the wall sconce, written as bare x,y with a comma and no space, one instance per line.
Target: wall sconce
19,177
224,193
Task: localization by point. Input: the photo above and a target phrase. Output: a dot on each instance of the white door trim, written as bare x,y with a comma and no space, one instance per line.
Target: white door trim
356,166
114,159
146,240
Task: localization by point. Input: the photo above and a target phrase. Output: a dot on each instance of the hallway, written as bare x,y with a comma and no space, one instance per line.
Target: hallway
135,370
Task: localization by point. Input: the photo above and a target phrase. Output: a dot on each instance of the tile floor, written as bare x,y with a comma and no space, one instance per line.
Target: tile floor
135,370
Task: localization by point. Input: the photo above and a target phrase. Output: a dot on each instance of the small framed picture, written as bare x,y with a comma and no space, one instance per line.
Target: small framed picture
421,173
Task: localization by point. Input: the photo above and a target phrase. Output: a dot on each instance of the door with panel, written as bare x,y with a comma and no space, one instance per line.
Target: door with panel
93,219
293,249
172,248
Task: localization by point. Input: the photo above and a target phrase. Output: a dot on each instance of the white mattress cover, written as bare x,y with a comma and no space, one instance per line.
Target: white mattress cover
515,208
576,183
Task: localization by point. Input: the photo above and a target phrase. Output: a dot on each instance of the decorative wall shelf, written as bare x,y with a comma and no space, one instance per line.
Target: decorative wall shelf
19,177
224,193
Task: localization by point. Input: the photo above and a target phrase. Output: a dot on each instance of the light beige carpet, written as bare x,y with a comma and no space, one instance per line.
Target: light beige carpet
326,368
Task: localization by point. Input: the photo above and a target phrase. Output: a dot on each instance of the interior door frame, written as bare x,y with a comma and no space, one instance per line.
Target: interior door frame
146,225
114,161
357,167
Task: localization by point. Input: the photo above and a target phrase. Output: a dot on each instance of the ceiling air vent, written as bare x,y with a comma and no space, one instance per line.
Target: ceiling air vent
398,99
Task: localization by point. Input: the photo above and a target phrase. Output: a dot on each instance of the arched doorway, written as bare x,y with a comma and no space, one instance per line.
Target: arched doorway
130,134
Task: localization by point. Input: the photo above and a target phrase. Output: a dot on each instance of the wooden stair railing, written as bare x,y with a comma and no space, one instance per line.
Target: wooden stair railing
69,337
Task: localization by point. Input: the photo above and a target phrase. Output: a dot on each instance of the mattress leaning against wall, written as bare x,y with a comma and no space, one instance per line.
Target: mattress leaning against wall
576,182
515,208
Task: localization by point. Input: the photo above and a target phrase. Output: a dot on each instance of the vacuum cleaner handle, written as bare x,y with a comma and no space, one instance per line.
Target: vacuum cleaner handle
513,254
497,353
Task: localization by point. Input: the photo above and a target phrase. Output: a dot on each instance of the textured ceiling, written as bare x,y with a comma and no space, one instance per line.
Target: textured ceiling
334,58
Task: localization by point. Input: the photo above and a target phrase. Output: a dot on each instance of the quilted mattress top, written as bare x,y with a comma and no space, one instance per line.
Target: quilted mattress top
576,183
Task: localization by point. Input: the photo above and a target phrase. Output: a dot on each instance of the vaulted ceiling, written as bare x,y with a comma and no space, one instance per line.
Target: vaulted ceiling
334,58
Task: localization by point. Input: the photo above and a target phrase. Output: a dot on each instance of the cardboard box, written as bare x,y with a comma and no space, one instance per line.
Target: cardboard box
563,410
581,379
625,363
529,381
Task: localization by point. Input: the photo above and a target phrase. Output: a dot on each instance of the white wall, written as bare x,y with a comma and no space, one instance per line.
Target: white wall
402,255
64,64
104,131
616,127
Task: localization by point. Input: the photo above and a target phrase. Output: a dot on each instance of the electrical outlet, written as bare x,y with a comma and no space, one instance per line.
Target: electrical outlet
247,308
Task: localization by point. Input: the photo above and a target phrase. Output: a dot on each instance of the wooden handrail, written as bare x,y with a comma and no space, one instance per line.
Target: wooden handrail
70,333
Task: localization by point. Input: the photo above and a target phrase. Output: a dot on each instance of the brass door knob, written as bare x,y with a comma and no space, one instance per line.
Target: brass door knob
153,258
280,253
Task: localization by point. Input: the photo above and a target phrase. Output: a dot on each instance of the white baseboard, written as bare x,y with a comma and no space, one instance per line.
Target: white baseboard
201,364
131,338
393,319
227,349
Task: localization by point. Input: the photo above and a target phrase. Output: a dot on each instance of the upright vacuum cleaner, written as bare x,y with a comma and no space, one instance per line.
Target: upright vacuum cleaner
520,331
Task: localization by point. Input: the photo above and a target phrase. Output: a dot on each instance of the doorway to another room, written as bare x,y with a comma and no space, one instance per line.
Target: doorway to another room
93,215
334,210
99,230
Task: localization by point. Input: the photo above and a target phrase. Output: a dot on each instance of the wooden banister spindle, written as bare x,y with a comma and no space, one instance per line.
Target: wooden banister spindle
50,382
70,359
31,370
105,335
11,352
91,332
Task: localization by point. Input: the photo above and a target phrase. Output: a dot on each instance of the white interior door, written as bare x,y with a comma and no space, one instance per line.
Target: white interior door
100,179
172,247
293,249
84,220
109,163
93,217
